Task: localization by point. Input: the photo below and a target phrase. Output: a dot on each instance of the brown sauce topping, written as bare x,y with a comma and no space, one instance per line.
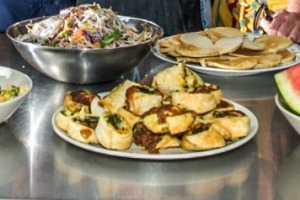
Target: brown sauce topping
164,111
228,113
145,138
206,89
82,96
224,104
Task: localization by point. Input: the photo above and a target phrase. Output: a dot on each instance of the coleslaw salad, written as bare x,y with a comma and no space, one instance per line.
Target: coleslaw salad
86,26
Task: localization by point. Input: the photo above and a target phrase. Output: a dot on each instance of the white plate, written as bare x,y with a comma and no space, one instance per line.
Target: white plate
292,118
169,154
228,72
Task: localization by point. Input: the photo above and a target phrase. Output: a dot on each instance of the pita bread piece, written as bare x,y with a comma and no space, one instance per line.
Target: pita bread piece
246,53
234,64
196,45
268,61
252,45
218,33
166,46
274,43
228,45
194,40
287,56
263,60
187,60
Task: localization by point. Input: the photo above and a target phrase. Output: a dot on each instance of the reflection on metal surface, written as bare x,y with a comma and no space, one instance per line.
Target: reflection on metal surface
13,159
288,177
135,179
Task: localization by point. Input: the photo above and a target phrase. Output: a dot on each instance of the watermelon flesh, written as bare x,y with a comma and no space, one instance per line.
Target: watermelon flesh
288,85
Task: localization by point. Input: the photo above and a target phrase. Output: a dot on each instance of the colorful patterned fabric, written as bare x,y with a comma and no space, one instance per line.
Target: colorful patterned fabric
240,13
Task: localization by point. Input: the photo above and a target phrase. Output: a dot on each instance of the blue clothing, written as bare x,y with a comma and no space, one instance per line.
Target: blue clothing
174,16
205,13
12,11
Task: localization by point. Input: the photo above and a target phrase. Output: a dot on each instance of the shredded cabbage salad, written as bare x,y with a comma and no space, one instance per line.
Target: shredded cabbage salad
86,26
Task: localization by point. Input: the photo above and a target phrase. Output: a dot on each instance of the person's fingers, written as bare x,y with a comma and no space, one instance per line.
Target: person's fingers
279,13
286,28
265,24
275,24
295,34
283,23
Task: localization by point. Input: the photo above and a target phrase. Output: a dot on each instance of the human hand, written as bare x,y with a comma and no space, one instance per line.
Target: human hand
284,23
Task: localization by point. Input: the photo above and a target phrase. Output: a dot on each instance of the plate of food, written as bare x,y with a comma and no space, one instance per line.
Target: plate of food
156,122
226,51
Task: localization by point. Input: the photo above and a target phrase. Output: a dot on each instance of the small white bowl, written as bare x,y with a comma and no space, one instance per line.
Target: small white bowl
10,77
293,119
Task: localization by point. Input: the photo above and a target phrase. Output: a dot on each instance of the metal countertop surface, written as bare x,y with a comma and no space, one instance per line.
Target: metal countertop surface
37,164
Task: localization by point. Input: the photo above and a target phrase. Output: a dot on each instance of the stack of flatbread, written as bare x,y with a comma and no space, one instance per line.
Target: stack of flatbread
227,48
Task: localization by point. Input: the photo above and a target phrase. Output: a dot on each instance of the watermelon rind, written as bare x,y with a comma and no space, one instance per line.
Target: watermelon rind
287,95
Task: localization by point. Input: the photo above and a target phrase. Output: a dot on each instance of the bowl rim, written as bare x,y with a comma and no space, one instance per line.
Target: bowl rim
20,96
158,35
283,109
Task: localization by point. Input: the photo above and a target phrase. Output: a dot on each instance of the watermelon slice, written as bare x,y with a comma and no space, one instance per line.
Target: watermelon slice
288,85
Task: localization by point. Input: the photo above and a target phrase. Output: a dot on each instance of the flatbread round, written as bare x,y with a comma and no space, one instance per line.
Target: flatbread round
218,33
274,43
241,52
287,56
197,40
192,51
229,44
234,64
252,45
268,61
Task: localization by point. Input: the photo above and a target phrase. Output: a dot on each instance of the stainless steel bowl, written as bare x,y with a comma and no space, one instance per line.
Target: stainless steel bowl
85,66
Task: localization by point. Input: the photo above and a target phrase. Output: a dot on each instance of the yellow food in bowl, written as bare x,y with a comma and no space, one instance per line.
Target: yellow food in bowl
11,92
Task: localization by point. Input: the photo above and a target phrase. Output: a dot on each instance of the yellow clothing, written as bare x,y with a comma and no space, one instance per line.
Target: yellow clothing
240,13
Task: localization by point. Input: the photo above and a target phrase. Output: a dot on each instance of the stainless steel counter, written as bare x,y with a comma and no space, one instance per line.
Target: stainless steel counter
37,164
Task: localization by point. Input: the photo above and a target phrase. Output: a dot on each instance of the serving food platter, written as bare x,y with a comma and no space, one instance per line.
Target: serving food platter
135,152
294,48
